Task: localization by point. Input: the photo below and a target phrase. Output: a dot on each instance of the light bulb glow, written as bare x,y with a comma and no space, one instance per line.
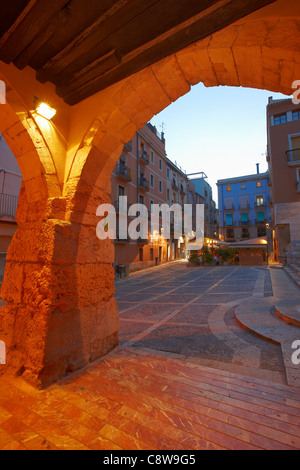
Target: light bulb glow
46,111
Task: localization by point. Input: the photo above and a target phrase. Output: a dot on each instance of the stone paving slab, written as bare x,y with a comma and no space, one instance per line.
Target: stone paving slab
256,316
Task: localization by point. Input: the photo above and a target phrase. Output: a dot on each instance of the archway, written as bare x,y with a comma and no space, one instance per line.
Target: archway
64,294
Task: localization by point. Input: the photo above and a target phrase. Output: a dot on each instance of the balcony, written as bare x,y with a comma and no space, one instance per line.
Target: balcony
260,205
124,173
144,158
174,184
182,189
143,184
261,222
142,241
8,205
243,223
128,147
293,156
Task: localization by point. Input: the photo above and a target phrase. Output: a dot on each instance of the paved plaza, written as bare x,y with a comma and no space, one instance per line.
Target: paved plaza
190,313
186,375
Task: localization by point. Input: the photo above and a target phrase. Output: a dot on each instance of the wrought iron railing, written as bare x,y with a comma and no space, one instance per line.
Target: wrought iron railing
293,155
8,205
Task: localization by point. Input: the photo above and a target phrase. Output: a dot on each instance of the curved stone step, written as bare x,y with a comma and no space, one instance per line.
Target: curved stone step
255,315
289,312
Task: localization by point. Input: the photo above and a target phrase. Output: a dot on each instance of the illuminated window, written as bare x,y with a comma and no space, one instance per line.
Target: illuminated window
259,184
228,189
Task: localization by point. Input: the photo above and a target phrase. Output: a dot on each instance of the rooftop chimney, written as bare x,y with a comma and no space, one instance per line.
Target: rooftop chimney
257,167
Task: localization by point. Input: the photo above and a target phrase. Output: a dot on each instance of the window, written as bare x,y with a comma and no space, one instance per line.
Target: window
168,172
280,119
230,234
229,203
152,181
244,203
141,254
261,232
141,199
168,194
151,254
259,201
245,233
229,220
160,187
160,164
245,218
260,216
296,115
243,186
121,191
151,206
152,159
228,189
259,184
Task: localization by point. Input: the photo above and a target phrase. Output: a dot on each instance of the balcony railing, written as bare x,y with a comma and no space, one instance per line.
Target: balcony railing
261,204
128,146
143,183
144,158
124,172
260,222
8,205
293,155
174,184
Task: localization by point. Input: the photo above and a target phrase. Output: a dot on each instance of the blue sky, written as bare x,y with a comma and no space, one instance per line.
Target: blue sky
220,131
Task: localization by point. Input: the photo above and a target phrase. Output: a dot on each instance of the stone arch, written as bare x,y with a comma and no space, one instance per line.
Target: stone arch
256,52
24,137
62,296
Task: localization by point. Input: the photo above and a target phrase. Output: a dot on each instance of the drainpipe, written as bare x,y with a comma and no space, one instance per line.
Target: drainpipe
3,183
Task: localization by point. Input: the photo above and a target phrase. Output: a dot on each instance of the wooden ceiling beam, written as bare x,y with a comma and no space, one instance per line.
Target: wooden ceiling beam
29,28
220,15
70,23
82,48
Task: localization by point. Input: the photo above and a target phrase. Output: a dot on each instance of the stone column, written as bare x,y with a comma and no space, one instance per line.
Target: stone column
60,313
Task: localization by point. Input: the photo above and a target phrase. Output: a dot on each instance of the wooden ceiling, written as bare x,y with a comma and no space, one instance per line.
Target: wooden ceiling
84,46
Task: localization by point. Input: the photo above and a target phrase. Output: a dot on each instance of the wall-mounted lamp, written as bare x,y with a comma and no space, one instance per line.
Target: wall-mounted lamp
43,109
46,111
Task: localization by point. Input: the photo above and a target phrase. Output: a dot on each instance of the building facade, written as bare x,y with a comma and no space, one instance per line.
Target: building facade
244,207
283,156
145,175
10,184
211,217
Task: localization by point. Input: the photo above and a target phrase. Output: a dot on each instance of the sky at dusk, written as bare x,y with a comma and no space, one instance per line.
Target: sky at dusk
220,131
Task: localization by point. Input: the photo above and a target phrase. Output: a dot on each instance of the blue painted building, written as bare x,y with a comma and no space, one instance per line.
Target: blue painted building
244,207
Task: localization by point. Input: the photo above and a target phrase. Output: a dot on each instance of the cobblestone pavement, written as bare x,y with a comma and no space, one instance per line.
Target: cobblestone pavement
189,313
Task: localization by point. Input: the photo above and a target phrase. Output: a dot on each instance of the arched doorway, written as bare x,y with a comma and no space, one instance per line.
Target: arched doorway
64,294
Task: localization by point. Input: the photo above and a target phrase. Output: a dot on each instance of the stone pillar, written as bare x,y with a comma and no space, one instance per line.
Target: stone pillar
60,313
